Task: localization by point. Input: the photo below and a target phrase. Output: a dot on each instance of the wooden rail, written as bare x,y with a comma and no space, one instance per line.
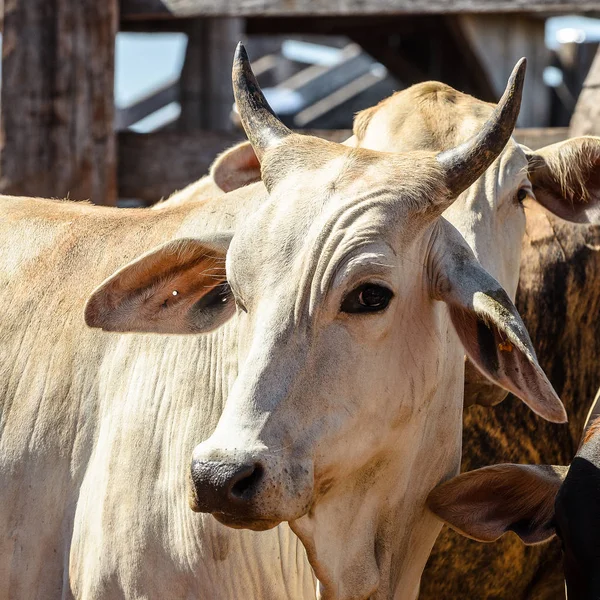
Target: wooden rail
153,165
129,115
157,9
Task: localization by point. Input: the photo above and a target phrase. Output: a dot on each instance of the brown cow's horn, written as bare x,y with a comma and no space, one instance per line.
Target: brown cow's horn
466,163
261,125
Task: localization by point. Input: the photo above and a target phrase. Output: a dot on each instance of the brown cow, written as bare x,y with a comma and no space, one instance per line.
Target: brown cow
536,502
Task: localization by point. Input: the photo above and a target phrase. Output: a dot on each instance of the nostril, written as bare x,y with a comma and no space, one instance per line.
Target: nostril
246,481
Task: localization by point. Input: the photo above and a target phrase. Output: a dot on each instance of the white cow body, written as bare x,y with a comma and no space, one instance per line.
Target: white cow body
109,444
102,427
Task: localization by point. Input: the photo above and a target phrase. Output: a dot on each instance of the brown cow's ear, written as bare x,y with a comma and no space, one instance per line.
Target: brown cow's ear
486,503
236,167
566,179
179,287
488,324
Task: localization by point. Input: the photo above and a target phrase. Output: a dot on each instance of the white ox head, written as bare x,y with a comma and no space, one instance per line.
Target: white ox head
351,293
564,178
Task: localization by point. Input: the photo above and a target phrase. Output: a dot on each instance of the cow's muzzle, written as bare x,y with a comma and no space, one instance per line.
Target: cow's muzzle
225,485
249,491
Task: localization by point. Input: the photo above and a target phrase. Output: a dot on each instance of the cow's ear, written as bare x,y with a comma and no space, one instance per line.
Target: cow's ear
488,324
566,179
179,287
487,503
236,167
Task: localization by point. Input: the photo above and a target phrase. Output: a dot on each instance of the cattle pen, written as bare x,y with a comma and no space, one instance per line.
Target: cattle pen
63,137
267,386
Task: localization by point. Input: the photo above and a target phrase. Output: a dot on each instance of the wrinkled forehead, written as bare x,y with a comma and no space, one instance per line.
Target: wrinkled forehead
302,163
339,193
314,173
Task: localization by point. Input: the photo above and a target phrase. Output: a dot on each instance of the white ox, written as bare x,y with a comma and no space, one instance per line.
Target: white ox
347,408
97,430
563,178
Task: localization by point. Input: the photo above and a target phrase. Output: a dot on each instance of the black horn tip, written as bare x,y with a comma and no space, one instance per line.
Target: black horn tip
241,55
242,71
514,87
244,82
517,77
261,125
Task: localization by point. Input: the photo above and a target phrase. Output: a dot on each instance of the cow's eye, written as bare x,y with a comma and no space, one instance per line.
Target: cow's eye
216,298
522,194
367,298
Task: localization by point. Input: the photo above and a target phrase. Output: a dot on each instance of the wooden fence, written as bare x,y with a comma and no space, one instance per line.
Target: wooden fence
151,9
57,100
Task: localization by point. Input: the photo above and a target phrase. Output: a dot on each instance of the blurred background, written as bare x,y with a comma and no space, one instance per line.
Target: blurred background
125,102
320,80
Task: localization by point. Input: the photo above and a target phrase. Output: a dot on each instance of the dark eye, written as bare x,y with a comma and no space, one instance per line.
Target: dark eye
216,298
367,298
522,194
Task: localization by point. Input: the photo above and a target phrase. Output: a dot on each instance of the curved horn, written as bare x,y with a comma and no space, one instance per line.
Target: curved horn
466,163
261,125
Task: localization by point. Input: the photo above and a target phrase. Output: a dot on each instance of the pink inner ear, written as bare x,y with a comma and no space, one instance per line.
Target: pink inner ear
237,168
161,292
504,362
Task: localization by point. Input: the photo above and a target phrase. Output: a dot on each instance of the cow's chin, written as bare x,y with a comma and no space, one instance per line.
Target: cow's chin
248,523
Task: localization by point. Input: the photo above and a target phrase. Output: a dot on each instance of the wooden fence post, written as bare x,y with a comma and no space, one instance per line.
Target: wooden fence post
205,89
498,41
586,118
57,100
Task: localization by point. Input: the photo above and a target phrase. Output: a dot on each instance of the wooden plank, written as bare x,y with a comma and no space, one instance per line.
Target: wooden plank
593,77
498,42
470,59
154,165
378,46
430,49
148,9
586,118
315,83
206,95
536,138
129,115
338,25
310,114
574,61
57,100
